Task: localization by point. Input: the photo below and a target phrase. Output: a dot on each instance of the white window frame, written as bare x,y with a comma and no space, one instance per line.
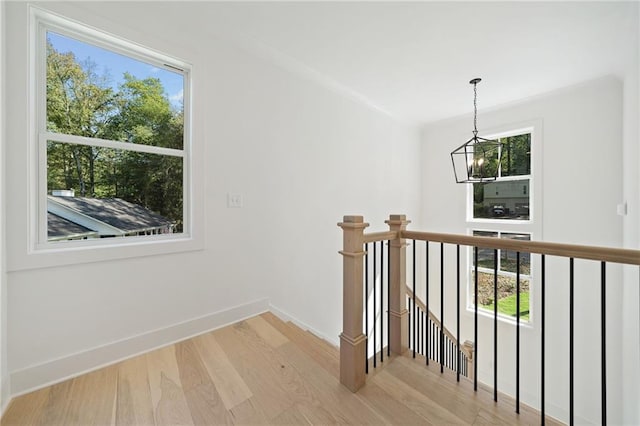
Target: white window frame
532,226
42,21
531,219
530,276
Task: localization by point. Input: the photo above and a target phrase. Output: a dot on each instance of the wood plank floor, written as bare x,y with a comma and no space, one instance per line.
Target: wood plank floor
258,371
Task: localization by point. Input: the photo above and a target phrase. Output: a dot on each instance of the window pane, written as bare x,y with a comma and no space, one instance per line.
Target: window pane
501,200
508,258
485,159
485,256
104,192
506,294
516,155
94,92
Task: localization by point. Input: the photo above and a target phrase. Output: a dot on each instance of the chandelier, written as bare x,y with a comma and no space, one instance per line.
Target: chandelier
478,159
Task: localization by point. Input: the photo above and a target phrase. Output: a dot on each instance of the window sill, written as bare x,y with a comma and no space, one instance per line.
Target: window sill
103,250
501,318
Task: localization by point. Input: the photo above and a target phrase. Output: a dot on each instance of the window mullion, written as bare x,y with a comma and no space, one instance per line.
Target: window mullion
105,143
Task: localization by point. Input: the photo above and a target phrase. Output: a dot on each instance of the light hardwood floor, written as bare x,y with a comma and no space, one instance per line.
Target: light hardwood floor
258,371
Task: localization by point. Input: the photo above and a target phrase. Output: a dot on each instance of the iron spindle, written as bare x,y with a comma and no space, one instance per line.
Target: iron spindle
475,319
518,332
603,318
458,312
442,308
375,346
426,298
366,307
425,324
414,298
418,338
436,351
422,331
542,313
451,363
571,341
381,301
408,323
495,325
389,298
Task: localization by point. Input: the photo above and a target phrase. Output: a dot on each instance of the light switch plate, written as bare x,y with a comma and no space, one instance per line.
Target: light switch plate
234,200
622,209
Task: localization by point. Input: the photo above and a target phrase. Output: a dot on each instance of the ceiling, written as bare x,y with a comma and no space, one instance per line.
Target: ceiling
414,60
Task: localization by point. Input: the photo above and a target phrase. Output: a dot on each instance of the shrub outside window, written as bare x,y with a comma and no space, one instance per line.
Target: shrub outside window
506,271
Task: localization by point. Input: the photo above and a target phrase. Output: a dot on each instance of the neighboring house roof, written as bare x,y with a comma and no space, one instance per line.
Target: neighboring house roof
107,216
61,228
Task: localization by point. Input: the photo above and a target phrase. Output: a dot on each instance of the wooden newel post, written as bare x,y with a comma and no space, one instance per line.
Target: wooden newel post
397,297
352,340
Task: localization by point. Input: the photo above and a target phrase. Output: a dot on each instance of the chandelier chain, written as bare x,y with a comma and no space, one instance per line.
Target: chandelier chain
475,109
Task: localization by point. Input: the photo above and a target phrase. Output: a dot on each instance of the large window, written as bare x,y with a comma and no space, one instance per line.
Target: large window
509,196
504,209
113,137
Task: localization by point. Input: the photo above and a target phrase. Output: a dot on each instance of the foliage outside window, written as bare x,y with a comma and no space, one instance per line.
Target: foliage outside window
506,272
113,135
508,197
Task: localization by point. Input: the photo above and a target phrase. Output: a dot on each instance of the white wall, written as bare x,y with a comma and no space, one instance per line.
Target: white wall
4,375
582,182
301,155
631,291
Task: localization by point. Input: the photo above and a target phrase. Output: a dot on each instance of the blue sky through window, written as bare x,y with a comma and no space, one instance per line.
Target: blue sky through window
115,65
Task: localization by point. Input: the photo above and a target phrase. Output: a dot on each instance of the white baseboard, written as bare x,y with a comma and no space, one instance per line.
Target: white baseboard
45,374
4,395
286,317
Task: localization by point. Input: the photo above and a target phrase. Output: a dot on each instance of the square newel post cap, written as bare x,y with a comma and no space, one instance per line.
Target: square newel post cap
397,220
353,221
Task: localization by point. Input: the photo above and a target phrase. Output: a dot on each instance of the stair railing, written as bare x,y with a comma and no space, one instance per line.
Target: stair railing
353,339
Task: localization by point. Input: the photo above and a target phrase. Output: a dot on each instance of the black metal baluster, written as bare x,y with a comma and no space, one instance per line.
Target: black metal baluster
495,325
375,346
603,315
408,323
434,342
389,298
571,341
464,365
366,307
442,308
458,312
422,333
518,332
381,301
542,338
426,299
419,330
475,319
414,298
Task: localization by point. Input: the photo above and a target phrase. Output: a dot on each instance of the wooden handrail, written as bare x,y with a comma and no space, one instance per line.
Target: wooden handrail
466,350
380,236
605,254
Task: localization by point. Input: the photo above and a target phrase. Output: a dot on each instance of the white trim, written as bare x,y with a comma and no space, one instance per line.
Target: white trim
105,143
287,317
533,226
39,250
54,371
83,32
